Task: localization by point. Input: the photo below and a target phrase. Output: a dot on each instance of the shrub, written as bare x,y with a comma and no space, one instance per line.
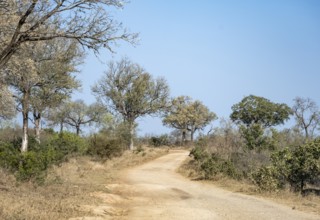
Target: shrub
162,140
103,147
266,178
297,166
32,165
213,164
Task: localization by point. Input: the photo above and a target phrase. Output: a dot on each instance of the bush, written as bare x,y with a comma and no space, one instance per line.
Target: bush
162,140
32,165
266,178
9,156
212,164
69,143
297,167
103,147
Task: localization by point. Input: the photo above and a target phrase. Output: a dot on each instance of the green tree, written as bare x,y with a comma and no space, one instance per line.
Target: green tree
127,89
187,115
254,114
86,21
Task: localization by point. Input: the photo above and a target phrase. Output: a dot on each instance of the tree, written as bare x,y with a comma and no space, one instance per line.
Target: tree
48,80
307,115
127,89
86,21
254,114
187,115
80,114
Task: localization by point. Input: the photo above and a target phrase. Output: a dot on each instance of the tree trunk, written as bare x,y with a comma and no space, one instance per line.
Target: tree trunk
25,112
184,134
131,146
37,123
78,129
24,145
61,127
307,133
192,134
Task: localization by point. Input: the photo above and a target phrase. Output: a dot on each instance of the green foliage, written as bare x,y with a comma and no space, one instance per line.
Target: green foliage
33,164
266,178
211,164
253,136
296,166
258,110
69,143
103,147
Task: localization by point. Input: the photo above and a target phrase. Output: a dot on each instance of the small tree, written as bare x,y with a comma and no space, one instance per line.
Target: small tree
187,115
307,115
254,114
127,89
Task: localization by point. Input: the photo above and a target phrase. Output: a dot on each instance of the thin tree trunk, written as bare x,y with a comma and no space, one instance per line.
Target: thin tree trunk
37,122
183,137
24,145
192,134
78,130
61,127
25,112
131,146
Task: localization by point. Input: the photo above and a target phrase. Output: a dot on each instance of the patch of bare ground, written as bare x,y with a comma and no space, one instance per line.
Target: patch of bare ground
74,190
309,203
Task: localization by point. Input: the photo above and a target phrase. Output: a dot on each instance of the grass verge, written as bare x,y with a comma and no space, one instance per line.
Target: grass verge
309,203
67,188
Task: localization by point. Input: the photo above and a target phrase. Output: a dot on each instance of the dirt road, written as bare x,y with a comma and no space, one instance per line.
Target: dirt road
155,191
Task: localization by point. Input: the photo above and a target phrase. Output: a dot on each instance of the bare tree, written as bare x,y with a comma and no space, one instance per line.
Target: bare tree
307,115
86,21
77,114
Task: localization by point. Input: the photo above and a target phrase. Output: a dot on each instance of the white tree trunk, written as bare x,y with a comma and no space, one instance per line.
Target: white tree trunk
25,118
24,144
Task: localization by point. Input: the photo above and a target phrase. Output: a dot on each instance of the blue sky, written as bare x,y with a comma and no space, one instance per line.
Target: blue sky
220,51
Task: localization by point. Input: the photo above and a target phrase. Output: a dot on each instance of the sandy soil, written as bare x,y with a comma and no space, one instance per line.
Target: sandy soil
155,191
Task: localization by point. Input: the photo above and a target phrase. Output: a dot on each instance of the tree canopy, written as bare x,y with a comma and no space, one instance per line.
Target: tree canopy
258,110
187,115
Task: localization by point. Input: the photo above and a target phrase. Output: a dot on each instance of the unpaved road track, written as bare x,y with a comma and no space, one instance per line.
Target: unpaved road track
155,191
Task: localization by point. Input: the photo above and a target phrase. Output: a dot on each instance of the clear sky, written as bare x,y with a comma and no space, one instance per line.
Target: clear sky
220,51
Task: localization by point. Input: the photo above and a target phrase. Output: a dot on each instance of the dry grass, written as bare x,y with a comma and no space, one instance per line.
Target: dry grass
67,189
310,203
